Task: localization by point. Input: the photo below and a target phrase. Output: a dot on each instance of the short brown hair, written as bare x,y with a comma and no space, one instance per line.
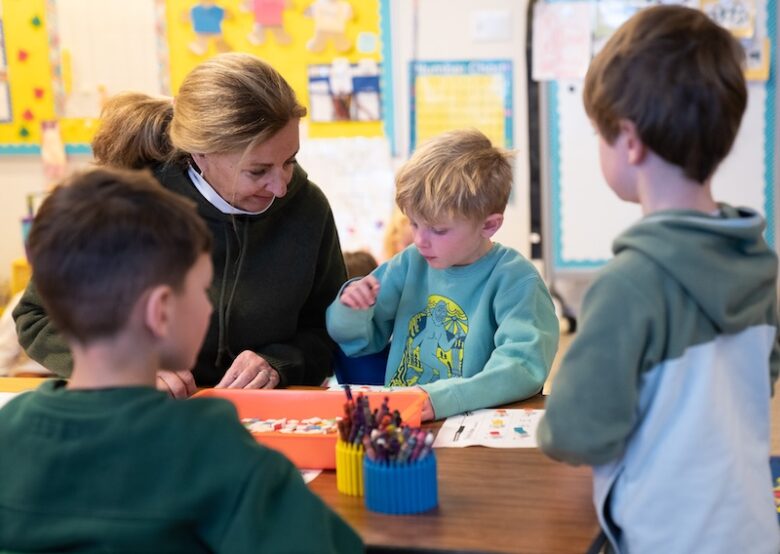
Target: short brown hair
678,77
102,238
228,103
359,263
456,174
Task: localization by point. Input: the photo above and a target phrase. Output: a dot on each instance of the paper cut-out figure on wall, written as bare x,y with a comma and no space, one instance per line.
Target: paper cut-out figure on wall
55,163
330,24
207,18
341,88
268,18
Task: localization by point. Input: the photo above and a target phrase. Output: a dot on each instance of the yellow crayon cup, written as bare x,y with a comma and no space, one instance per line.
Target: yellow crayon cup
349,468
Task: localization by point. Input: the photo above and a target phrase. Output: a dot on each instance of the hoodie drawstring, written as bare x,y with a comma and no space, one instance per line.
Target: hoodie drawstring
221,340
242,243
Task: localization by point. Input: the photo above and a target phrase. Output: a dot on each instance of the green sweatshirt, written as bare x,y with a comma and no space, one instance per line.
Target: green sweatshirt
274,276
132,470
665,390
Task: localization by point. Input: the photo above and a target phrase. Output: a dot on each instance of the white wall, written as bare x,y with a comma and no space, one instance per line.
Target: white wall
444,33
19,176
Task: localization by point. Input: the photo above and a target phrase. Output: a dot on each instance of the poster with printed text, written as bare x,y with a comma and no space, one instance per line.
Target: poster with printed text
448,95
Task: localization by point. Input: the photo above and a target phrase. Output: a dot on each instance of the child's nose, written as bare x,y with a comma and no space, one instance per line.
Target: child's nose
420,238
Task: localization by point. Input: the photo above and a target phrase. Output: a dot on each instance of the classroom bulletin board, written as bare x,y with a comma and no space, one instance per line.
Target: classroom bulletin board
62,58
584,215
447,95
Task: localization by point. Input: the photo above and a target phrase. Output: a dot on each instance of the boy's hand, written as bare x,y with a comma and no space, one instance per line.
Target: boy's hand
427,409
249,371
179,384
361,295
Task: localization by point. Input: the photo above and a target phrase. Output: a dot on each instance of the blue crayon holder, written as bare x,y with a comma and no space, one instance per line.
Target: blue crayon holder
400,487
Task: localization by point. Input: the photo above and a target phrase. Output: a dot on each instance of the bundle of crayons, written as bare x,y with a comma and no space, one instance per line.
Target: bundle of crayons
383,436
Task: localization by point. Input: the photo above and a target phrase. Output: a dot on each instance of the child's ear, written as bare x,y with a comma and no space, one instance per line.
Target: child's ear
635,148
492,224
158,310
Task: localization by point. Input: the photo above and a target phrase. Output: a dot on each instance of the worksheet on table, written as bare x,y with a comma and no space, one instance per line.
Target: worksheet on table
495,428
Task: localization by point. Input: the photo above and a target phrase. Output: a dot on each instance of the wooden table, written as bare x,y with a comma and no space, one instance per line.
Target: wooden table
490,500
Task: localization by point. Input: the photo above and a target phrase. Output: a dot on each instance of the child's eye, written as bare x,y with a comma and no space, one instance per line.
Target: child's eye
290,162
440,231
257,173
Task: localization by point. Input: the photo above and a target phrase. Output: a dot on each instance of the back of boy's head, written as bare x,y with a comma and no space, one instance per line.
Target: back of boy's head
456,174
359,263
678,77
101,239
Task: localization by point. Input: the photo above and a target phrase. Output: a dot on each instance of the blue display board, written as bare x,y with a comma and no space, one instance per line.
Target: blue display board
585,215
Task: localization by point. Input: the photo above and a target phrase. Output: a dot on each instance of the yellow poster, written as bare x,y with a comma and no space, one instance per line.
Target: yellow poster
462,94
65,57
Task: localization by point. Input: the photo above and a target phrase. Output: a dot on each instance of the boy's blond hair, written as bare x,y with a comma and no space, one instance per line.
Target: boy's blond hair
678,76
456,174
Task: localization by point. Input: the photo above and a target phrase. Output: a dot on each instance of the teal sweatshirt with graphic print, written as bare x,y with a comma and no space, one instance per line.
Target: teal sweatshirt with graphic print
473,336
666,388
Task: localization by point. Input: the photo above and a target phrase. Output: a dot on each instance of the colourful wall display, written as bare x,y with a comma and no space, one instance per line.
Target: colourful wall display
64,57
449,95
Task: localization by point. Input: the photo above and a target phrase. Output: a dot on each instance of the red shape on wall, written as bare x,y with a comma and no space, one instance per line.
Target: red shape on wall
23,55
38,92
28,115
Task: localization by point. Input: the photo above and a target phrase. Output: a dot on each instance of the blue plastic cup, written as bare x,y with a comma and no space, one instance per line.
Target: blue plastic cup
400,487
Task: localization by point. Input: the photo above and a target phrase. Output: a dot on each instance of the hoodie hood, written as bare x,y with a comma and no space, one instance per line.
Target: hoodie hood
724,264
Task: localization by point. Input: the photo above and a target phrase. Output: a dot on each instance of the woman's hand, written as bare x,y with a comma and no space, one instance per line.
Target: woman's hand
249,371
179,384
361,295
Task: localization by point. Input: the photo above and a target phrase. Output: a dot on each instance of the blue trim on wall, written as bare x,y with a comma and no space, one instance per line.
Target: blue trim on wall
19,149
769,160
412,105
770,117
387,94
32,149
555,170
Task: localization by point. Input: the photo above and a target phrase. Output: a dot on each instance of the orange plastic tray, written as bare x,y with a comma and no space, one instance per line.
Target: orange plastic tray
310,451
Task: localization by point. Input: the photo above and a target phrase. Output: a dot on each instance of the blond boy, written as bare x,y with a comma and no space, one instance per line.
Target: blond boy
666,388
469,321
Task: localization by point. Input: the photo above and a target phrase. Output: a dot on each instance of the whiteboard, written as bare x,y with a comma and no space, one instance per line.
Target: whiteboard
585,216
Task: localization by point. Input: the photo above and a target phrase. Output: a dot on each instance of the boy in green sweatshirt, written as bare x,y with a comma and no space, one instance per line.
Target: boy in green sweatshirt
665,390
105,462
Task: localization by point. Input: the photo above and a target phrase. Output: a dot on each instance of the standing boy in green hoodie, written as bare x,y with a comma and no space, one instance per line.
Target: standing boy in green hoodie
107,463
666,388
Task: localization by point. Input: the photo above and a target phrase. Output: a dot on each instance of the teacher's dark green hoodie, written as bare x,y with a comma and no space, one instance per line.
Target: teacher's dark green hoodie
275,273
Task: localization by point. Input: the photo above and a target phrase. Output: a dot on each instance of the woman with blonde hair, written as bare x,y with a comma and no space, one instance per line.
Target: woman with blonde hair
228,143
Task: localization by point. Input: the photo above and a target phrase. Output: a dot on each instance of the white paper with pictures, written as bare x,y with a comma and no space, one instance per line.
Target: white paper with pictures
494,428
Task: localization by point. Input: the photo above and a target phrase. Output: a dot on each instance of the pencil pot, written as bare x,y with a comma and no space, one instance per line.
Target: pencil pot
349,468
401,487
